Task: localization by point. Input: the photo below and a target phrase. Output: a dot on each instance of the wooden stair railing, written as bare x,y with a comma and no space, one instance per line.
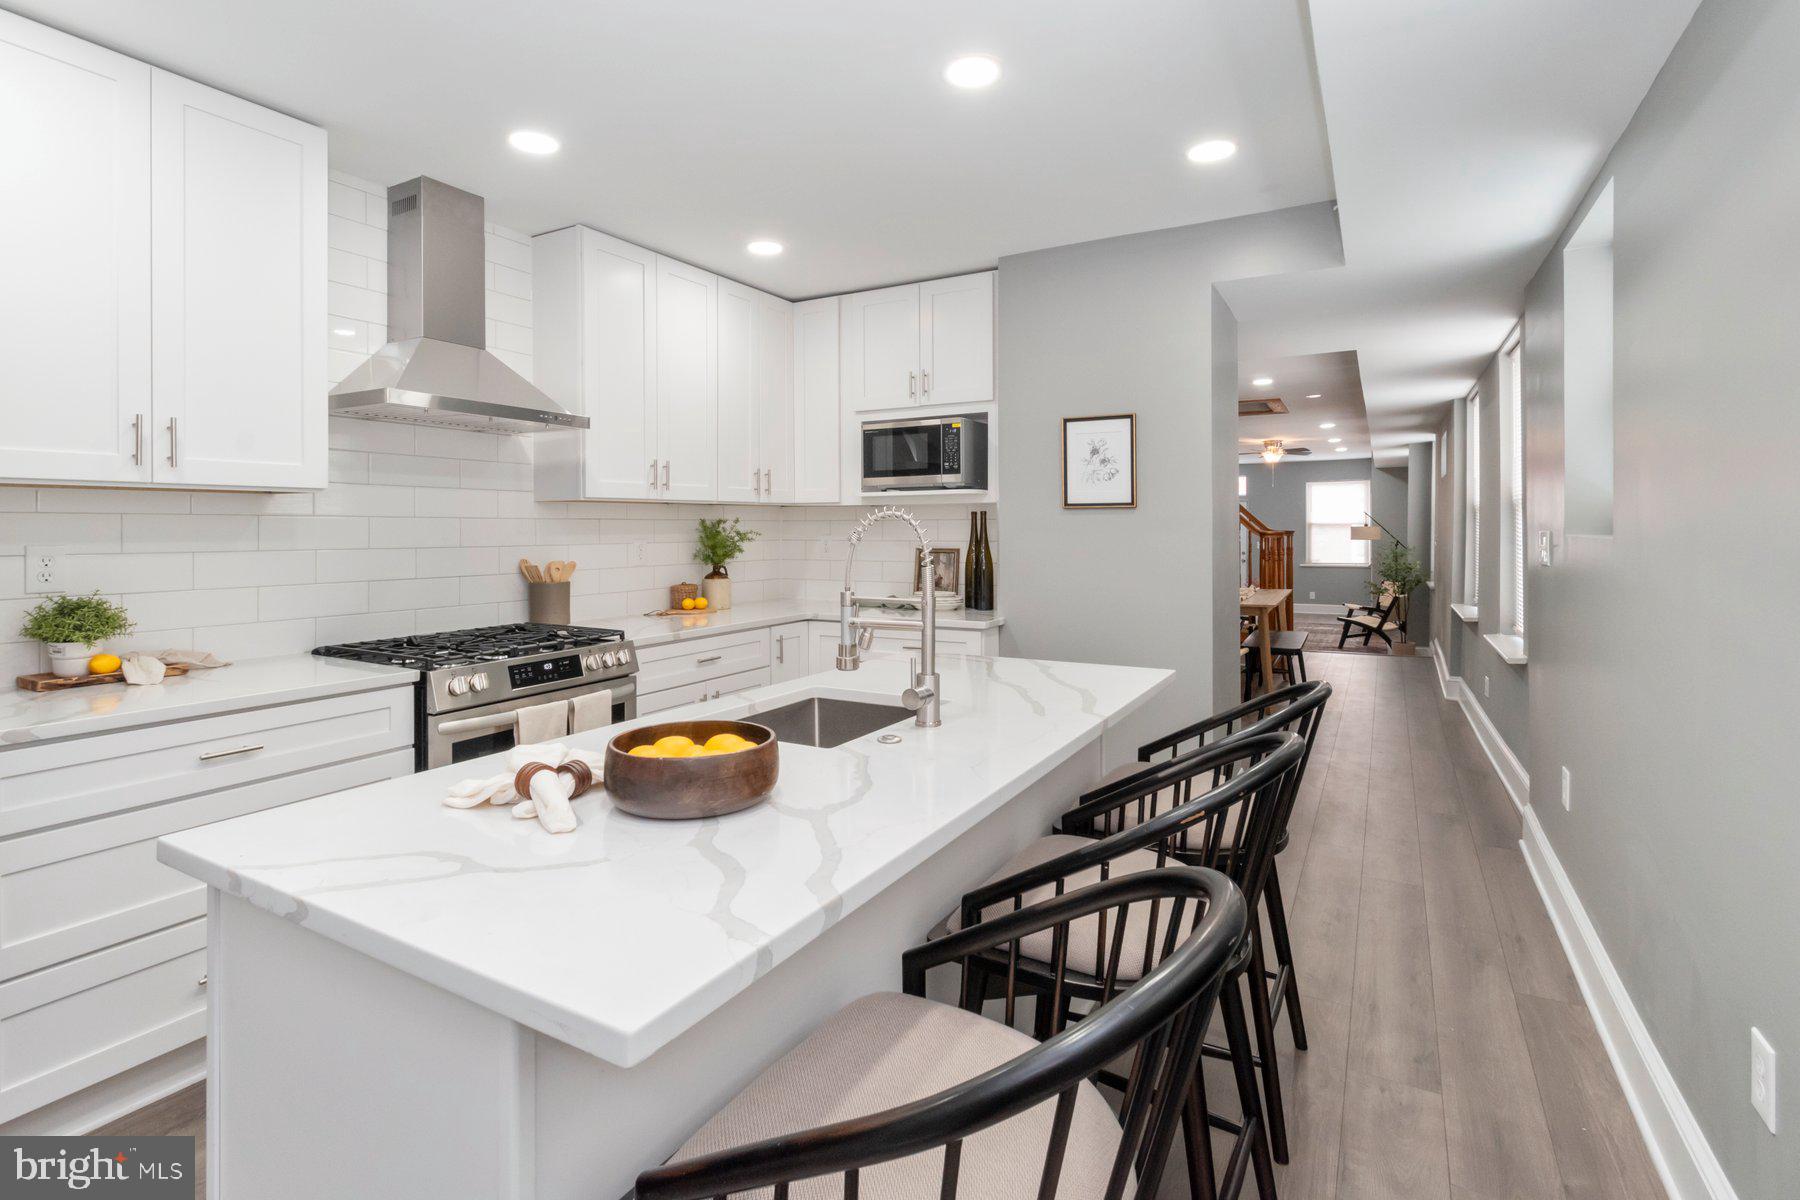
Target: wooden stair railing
1269,562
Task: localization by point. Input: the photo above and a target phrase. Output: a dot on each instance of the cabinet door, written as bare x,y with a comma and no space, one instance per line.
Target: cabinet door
238,275
618,368
956,340
75,249
818,436
687,381
789,643
881,348
773,352
740,449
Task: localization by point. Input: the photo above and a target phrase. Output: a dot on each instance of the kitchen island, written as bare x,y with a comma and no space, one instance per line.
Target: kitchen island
410,1000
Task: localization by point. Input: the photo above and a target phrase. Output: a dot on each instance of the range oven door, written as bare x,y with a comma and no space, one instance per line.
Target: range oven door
474,732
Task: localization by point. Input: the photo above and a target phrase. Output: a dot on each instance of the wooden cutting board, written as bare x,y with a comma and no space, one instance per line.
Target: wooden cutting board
57,683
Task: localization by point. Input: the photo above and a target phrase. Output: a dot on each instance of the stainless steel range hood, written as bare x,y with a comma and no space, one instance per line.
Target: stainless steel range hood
435,368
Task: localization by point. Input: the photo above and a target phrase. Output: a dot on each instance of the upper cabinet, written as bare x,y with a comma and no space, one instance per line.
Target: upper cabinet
163,314
756,396
922,343
75,238
818,432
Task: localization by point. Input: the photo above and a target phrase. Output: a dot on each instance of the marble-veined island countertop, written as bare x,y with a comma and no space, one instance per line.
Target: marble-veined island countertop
620,936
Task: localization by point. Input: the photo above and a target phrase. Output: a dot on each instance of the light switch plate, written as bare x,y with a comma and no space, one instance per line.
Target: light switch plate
1544,543
1565,789
1762,1078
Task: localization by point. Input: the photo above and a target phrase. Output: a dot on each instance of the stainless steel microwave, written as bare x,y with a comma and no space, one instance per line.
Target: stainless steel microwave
925,452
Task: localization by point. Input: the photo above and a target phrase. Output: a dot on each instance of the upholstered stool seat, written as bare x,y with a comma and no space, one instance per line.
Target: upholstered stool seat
886,1050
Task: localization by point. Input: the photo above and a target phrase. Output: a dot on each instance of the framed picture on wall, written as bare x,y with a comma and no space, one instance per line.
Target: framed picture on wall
1100,461
946,571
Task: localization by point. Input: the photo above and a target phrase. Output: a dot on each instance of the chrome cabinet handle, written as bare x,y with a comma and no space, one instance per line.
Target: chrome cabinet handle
756,481
780,650
665,474
209,755
653,474
912,384
171,441
925,382
711,658
769,482
137,440
202,980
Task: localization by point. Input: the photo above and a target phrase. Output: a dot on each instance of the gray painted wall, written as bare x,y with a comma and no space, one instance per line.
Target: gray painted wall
1133,324
1278,498
1419,484
1683,831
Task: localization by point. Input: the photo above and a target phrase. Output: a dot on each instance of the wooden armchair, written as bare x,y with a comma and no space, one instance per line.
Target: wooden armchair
1382,619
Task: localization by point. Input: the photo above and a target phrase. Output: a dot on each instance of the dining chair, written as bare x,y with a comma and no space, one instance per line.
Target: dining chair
902,1098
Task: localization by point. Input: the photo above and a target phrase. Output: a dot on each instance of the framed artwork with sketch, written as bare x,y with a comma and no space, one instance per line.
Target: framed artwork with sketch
1100,461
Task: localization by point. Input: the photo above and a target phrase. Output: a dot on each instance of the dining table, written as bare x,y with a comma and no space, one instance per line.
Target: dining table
1269,607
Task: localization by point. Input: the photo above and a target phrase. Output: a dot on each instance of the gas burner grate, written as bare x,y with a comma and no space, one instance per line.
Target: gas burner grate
462,647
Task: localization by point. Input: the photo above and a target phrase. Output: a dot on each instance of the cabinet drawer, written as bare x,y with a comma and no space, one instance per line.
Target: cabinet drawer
89,777
73,1025
729,685
76,888
681,663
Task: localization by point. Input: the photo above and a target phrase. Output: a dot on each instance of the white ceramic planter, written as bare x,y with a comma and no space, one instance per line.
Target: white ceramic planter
69,660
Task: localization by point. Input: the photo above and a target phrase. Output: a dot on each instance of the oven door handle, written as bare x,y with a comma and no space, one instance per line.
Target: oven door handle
491,723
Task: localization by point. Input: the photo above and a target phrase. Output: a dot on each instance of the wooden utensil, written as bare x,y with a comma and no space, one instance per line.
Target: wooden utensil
530,571
553,571
562,571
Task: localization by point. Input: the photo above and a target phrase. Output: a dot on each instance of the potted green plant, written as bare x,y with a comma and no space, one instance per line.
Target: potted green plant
72,629
1401,573
719,541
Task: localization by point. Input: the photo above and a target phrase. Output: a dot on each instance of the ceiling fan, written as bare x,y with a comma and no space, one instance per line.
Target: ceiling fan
1273,450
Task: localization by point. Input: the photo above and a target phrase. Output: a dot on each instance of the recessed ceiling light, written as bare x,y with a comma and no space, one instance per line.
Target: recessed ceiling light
764,248
1313,395
1261,381
1215,150
1342,449
972,71
1327,424
1334,441
530,141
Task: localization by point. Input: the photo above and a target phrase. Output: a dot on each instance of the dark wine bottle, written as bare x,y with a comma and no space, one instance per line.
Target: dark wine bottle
969,561
981,592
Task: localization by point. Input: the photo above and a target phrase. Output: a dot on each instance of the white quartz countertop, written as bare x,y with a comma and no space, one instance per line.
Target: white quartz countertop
74,712
619,936
653,631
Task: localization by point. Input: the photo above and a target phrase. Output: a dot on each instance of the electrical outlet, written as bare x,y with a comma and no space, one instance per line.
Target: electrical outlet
1487,687
1762,1078
1312,595
1565,794
1544,540
43,570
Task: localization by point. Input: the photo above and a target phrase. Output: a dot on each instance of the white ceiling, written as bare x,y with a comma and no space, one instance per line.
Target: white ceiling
1462,136
693,126
1334,378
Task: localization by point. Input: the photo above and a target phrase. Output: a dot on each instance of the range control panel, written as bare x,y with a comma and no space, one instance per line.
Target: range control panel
548,670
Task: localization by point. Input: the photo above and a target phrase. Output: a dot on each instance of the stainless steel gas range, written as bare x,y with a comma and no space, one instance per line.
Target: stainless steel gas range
472,682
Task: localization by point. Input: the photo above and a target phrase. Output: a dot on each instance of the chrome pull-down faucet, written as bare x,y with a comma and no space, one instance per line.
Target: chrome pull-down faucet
922,696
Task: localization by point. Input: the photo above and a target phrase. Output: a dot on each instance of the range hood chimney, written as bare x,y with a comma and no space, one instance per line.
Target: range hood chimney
435,369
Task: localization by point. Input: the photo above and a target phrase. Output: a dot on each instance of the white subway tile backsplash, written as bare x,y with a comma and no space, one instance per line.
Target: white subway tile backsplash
313,600
168,533
389,594
361,627
458,443
342,200
501,476
354,237
110,500
386,437
413,531
336,566
358,303
414,470
456,502
18,499
95,532
314,533
253,568
191,609
260,639
457,560
115,573
365,500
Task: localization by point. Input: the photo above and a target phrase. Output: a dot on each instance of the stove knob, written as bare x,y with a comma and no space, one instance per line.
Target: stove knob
609,659
459,685
624,655
591,662
478,682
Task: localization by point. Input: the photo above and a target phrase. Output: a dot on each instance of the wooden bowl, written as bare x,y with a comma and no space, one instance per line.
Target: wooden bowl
674,789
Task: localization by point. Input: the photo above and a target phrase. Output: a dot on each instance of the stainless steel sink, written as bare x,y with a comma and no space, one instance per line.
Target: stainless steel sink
824,722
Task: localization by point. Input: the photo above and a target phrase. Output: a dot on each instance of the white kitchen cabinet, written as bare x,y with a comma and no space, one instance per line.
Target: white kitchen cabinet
594,352
922,343
790,645
238,271
756,396
75,241
818,435
687,381
162,316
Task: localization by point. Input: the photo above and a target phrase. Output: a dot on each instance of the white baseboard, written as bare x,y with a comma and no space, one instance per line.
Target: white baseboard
115,1097
1506,764
1683,1158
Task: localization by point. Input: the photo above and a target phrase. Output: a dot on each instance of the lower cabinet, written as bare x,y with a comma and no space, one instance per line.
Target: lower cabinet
102,947
789,643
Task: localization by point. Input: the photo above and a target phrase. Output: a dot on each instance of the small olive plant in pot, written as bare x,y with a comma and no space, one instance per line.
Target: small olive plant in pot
719,541
73,628
1400,571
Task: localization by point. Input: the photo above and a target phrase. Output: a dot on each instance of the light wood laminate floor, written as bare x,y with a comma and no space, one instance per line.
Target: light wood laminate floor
1452,1057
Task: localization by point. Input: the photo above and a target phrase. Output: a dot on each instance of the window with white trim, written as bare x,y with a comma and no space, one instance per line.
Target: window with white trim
1333,508
1514,437
1243,486
1472,504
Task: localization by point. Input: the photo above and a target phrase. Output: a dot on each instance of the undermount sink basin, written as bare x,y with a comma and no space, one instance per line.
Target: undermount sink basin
824,722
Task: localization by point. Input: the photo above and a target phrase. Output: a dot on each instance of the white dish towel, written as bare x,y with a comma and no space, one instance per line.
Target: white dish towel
550,795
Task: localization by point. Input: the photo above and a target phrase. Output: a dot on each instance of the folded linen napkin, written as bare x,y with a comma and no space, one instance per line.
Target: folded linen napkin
144,667
549,801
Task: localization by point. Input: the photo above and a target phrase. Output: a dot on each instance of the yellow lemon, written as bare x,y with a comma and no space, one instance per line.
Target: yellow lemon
688,603
104,664
674,745
700,603
646,752
725,743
